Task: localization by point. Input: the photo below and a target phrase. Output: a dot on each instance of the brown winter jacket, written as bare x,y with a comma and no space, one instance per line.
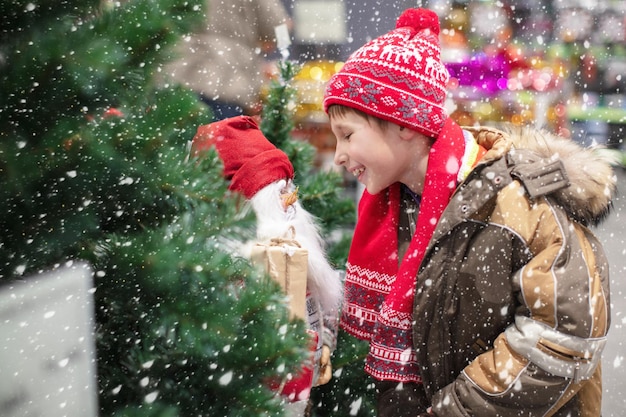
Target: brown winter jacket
512,302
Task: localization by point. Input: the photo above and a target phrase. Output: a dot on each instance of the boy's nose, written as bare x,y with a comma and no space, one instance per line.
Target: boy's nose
340,157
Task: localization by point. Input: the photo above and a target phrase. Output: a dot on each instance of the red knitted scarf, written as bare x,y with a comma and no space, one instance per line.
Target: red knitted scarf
378,294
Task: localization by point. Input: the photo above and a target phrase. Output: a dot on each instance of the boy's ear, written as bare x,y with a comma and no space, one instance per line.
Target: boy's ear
408,134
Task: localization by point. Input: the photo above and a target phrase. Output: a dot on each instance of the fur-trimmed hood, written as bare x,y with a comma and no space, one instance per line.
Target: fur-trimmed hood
592,182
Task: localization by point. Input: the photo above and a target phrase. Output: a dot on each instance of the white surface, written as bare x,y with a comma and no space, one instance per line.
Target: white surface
47,354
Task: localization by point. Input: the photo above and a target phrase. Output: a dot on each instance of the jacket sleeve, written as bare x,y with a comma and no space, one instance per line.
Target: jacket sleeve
547,361
329,334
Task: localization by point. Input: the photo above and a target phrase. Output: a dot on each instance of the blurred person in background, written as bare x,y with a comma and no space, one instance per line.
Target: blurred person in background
228,59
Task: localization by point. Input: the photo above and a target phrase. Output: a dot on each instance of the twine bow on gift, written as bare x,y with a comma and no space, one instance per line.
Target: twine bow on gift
287,241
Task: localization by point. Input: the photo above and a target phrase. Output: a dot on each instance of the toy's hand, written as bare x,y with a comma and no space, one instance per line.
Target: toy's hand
326,367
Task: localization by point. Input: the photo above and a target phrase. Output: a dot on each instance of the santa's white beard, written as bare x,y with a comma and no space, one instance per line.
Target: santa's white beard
324,282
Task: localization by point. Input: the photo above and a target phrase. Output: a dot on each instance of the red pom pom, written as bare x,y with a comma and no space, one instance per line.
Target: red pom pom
419,19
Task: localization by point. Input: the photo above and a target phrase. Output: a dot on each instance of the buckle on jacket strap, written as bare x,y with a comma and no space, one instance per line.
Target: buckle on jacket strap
540,177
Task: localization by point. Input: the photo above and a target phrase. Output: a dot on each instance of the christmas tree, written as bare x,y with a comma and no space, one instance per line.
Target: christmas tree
94,166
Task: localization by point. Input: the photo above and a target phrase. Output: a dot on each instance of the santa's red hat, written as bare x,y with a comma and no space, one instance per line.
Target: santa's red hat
251,162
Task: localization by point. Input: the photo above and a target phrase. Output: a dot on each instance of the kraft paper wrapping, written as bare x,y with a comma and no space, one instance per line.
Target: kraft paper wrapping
286,263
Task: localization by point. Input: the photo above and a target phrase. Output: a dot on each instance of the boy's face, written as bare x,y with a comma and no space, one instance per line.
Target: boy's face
377,156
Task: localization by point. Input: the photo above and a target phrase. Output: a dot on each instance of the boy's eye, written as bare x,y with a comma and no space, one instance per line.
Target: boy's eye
347,137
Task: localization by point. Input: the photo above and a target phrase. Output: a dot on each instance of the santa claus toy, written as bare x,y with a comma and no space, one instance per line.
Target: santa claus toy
264,175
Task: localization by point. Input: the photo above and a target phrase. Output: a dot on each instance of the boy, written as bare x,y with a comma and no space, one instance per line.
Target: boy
472,272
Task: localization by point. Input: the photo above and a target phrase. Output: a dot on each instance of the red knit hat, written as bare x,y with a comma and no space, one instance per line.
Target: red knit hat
251,162
398,76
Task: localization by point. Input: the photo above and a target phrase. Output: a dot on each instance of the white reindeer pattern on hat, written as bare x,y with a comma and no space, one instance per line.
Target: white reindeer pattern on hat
399,52
435,69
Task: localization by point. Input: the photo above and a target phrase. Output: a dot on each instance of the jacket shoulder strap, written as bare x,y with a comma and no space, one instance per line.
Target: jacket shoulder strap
540,176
